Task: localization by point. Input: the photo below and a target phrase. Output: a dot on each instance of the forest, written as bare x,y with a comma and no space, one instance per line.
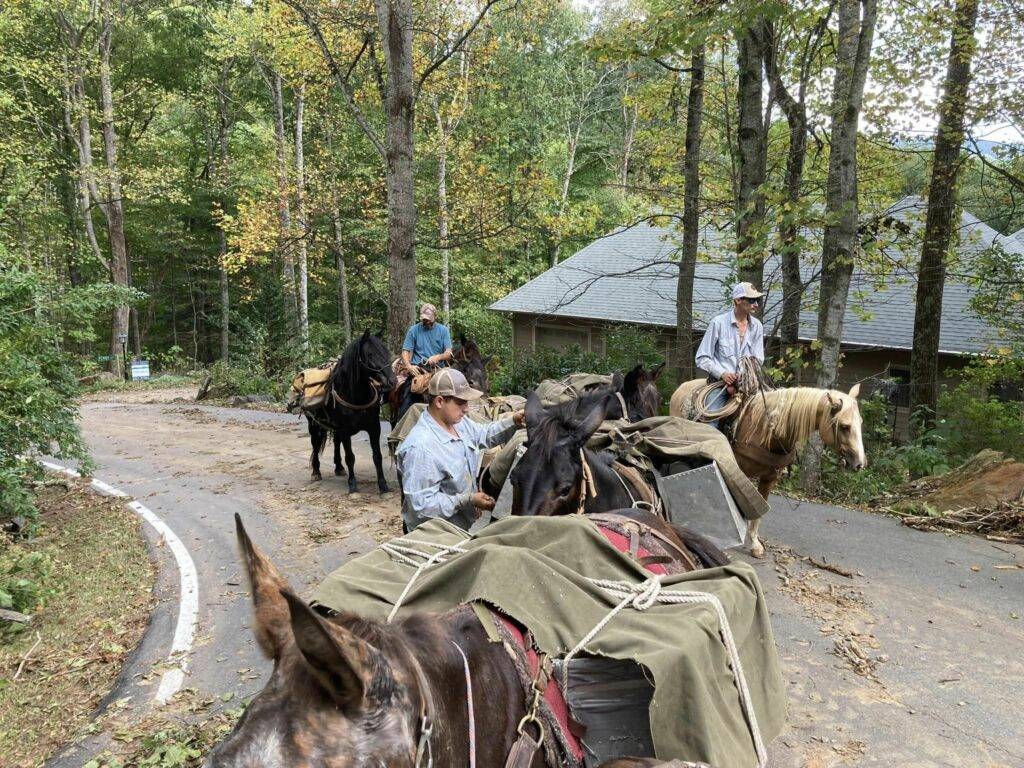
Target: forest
246,184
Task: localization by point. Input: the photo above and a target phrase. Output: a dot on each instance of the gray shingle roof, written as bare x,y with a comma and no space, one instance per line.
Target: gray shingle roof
627,276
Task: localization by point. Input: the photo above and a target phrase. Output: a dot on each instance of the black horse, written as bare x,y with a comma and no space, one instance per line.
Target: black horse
360,382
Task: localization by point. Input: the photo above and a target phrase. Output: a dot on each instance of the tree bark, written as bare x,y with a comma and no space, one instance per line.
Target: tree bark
942,209
853,54
395,20
114,207
344,313
691,217
222,186
300,217
442,221
284,215
750,204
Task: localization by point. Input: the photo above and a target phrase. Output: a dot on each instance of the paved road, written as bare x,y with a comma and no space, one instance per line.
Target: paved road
928,620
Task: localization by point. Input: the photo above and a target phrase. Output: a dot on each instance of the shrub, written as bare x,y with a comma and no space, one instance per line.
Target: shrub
973,419
22,575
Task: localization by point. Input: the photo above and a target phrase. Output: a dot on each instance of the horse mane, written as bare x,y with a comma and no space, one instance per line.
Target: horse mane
346,376
790,416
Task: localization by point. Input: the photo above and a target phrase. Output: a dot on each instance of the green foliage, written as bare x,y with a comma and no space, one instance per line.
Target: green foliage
23,575
37,384
973,418
625,348
241,377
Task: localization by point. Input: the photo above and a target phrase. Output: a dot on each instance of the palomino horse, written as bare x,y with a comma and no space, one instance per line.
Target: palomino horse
361,379
348,692
773,425
554,472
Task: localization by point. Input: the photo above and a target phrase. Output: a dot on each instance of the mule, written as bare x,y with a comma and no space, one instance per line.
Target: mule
554,472
773,425
640,392
348,692
466,359
360,381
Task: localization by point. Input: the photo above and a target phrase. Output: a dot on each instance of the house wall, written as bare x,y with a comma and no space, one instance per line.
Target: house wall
867,366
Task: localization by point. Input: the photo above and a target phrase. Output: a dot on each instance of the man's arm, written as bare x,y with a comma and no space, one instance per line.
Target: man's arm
757,343
706,351
421,484
446,343
497,432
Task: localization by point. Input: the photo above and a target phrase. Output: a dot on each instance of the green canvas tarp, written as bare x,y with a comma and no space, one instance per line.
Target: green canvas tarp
696,712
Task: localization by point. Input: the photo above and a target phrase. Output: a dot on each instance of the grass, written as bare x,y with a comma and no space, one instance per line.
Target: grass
159,381
96,600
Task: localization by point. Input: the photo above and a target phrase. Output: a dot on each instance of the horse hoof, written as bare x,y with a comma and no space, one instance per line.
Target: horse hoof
757,550
384,489
353,488
339,472
316,477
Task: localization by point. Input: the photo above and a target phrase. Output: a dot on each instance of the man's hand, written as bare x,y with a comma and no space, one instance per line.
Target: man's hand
435,359
481,502
519,418
729,378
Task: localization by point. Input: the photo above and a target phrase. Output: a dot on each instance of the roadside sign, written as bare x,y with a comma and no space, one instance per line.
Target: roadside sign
140,370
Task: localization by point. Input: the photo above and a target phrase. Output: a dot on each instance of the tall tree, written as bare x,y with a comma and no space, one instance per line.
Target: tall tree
752,142
284,213
300,217
691,216
853,54
222,180
942,212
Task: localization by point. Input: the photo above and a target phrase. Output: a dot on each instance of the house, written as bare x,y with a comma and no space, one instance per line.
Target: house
628,277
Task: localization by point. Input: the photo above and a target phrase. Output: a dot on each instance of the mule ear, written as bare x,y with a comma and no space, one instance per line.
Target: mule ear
366,334
617,382
657,371
855,390
535,412
589,424
632,379
835,403
272,625
462,339
342,663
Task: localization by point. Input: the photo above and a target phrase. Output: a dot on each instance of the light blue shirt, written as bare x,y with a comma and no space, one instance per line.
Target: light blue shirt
721,349
426,342
439,470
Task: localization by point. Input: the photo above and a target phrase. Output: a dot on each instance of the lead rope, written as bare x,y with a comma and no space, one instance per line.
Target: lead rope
469,706
588,487
643,596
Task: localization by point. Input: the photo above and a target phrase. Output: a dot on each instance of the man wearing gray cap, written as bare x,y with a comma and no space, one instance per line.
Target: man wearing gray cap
440,458
730,337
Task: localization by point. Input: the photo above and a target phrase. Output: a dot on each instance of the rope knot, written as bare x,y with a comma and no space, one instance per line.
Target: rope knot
647,593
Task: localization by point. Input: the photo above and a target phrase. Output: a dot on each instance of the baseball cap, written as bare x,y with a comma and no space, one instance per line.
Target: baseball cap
449,382
428,312
745,291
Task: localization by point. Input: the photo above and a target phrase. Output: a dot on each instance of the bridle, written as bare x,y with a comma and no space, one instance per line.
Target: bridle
377,379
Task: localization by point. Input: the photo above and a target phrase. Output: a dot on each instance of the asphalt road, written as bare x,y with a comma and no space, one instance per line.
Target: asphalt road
917,660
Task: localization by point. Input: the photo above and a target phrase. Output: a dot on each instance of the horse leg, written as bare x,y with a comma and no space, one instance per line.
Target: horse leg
317,436
350,460
338,469
764,487
378,459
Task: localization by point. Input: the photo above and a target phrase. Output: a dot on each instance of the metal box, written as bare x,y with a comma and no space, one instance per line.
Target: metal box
699,499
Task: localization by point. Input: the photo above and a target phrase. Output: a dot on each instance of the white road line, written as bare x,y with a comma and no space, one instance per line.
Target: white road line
188,603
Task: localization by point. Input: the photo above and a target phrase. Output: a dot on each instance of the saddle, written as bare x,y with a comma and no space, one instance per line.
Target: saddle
311,387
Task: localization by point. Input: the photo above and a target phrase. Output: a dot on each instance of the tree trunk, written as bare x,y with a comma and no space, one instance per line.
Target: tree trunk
938,232
222,186
442,222
114,207
853,53
691,217
344,313
284,215
750,204
300,217
395,20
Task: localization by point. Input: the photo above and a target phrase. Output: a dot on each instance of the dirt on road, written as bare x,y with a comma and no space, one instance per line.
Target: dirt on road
899,647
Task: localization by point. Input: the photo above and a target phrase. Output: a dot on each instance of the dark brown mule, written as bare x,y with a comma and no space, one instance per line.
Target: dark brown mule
348,692
640,391
550,478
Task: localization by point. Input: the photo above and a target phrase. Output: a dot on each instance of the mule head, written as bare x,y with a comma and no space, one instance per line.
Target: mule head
374,356
332,699
548,478
841,428
474,367
640,391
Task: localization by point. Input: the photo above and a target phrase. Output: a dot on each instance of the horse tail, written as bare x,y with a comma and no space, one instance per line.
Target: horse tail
709,554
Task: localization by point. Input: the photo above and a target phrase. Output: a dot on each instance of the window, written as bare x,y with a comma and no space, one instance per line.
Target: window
558,338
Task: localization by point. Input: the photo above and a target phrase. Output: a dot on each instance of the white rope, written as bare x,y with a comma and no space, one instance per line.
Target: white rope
404,553
641,597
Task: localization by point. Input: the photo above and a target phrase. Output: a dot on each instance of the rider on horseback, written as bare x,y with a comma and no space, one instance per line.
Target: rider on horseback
730,337
428,342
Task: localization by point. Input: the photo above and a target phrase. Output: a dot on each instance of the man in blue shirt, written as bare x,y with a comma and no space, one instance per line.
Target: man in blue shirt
427,342
731,336
440,458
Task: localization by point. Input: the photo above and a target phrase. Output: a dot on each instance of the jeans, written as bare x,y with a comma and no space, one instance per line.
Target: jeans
716,401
